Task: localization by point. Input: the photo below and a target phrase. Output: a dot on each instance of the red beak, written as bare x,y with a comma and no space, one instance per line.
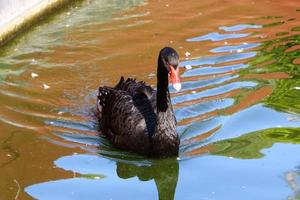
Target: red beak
175,77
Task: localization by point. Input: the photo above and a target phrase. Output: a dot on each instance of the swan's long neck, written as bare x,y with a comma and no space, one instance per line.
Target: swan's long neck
165,139
163,96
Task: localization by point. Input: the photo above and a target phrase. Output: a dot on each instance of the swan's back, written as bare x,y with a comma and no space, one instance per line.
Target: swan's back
126,115
133,87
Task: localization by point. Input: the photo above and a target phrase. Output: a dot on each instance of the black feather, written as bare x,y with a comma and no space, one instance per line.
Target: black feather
130,115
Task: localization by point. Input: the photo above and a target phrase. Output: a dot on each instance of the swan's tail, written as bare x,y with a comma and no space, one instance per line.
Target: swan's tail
104,94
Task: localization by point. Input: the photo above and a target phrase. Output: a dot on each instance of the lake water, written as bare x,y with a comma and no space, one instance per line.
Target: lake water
238,112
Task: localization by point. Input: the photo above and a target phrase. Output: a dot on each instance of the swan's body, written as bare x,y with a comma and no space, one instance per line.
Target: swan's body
136,117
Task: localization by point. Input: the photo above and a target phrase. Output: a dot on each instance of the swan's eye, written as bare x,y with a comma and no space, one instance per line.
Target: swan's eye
168,64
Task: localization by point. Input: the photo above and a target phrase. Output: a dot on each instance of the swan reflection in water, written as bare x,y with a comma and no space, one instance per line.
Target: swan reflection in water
95,177
163,172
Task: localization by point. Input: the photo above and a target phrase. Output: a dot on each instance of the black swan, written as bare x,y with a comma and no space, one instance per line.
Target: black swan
135,117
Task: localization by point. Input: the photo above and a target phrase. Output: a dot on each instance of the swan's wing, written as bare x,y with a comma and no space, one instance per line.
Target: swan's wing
133,87
116,107
125,123
125,114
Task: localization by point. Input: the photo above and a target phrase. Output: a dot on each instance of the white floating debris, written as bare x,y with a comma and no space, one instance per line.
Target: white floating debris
68,13
167,5
193,92
97,177
171,42
151,75
9,155
67,25
46,87
178,158
261,36
230,157
60,112
51,122
240,50
245,43
34,75
225,42
297,88
188,67
187,54
33,60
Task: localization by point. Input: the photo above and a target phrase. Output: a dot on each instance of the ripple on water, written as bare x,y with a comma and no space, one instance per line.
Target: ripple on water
197,128
214,91
213,60
213,70
240,27
190,85
237,48
218,37
202,108
71,125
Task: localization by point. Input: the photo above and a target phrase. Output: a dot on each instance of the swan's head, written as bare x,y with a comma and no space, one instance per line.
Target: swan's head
170,59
